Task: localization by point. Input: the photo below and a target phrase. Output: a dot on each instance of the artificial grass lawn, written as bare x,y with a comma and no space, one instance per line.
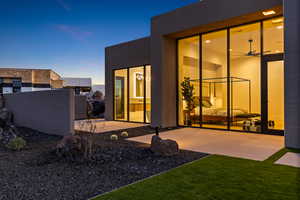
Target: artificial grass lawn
217,177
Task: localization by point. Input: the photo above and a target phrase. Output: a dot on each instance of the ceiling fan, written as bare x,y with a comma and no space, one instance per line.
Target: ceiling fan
251,52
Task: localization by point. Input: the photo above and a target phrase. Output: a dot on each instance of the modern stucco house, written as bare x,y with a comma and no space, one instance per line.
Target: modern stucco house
219,64
13,80
80,85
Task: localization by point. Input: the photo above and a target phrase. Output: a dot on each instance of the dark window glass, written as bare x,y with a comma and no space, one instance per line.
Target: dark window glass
16,89
17,83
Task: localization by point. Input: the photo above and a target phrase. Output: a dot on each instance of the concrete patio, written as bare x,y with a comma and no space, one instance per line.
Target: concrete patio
103,126
234,144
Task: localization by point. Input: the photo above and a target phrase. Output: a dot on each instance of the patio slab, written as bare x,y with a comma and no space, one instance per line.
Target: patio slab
103,126
234,144
290,159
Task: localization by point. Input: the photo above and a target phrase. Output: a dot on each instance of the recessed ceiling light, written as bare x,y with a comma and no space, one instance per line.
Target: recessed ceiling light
207,41
276,21
269,12
279,27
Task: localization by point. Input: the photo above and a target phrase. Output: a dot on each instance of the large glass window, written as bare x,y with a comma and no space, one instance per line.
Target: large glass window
132,98
276,95
214,80
245,69
136,94
231,90
273,31
148,93
120,96
188,82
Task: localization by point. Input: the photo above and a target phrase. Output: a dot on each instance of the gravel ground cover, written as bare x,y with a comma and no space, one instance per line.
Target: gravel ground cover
35,173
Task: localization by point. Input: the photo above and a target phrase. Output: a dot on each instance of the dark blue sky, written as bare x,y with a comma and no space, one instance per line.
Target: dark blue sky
69,36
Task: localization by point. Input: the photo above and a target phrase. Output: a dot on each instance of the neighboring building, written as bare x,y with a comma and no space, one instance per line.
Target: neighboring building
100,88
239,59
14,80
80,85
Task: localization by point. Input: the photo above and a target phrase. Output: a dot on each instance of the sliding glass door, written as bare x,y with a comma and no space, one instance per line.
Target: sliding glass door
214,107
120,96
132,94
188,82
136,94
245,83
273,94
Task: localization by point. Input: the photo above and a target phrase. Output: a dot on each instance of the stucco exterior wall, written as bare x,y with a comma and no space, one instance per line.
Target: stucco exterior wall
50,111
292,73
41,76
80,107
130,54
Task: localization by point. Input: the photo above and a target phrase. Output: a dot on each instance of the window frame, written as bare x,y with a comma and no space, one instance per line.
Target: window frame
134,92
200,35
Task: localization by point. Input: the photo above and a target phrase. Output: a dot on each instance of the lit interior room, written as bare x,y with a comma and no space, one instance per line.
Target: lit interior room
226,67
132,99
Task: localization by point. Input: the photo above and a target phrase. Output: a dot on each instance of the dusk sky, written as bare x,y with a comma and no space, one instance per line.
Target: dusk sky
69,36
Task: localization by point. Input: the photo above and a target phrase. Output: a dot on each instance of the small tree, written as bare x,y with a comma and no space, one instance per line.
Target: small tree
187,91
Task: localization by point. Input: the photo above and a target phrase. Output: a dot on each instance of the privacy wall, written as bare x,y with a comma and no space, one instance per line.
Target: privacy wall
51,112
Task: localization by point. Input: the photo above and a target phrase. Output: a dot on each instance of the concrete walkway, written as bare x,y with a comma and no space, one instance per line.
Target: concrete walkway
103,126
290,159
234,144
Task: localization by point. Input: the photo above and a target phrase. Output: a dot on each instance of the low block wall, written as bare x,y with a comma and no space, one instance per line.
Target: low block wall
80,107
51,112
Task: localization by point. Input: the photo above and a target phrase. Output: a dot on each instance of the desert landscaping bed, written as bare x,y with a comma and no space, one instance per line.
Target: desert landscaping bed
35,173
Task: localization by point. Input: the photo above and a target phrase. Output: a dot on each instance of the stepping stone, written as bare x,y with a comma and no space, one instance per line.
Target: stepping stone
290,159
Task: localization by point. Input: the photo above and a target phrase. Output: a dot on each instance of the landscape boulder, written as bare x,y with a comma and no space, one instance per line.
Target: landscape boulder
8,131
8,134
164,147
71,147
5,117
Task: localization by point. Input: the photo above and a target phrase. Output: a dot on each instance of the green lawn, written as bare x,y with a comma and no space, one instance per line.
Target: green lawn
217,177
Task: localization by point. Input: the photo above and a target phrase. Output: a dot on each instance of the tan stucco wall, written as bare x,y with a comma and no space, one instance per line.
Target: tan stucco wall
41,76
57,83
80,107
51,111
292,73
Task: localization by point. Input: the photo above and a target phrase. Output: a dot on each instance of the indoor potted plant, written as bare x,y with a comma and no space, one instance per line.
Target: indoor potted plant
187,91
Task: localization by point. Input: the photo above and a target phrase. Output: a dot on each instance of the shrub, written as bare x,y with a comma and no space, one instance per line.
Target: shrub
114,137
16,144
124,134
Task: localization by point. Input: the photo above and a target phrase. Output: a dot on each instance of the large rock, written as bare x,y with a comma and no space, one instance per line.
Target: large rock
6,118
164,147
8,131
2,102
69,143
7,134
71,147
